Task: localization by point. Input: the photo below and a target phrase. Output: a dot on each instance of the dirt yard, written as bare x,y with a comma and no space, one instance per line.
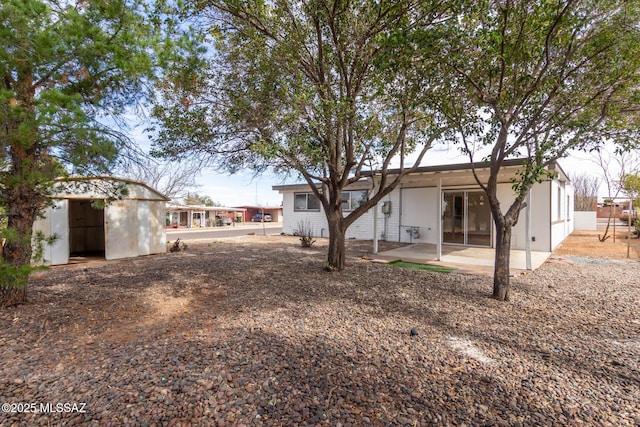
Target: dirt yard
587,244
251,331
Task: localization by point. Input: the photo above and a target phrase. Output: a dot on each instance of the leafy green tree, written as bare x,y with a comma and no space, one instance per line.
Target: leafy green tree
326,88
534,79
631,185
65,67
197,199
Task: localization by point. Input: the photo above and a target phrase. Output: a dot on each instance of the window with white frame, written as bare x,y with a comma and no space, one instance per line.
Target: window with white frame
351,200
306,202
559,203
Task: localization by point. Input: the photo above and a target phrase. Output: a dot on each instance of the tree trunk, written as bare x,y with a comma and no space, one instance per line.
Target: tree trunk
337,249
501,285
17,249
21,194
23,201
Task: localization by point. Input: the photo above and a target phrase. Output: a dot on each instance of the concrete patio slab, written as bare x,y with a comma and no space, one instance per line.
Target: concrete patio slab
466,259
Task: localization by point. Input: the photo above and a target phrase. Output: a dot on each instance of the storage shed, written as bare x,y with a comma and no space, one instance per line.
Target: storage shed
88,221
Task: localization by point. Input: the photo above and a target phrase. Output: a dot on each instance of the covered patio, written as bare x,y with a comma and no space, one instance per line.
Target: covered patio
466,259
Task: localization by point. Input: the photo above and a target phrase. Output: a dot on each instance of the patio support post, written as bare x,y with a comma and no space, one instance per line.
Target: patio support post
375,228
375,218
527,245
439,221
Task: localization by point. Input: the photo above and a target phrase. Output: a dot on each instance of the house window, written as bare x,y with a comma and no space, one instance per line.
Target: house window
351,200
559,203
306,202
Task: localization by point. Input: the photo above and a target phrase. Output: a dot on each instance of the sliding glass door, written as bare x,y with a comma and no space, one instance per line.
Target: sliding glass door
466,218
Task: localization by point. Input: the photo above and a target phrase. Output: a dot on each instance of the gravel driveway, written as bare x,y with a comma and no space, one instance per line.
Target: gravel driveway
252,331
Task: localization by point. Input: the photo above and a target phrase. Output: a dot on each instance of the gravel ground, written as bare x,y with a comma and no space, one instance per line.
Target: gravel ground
252,331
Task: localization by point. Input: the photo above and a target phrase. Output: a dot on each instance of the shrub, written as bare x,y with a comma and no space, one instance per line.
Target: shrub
177,246
305,232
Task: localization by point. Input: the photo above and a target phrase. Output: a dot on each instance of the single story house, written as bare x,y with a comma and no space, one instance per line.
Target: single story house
87,223
443,205
202,216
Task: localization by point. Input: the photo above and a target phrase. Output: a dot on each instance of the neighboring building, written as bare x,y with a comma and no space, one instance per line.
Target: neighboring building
130,226
202,216
442,205
253,211
614,209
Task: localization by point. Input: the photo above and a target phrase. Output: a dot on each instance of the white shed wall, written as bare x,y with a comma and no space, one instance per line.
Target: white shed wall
152,236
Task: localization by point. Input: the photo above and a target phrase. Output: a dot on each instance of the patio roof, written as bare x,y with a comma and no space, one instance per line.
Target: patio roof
452,175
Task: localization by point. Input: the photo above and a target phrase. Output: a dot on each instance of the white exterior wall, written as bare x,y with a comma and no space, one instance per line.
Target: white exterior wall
315,220
361,229
585,220
540,217
551,215
561,212
420,209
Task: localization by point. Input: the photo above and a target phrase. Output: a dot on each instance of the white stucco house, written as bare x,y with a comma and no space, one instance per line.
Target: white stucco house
443,205
129,226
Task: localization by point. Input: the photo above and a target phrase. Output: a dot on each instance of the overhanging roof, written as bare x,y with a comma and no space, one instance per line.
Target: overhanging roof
452,175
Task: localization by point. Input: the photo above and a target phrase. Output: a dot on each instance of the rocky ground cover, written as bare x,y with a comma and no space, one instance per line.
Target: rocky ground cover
251,331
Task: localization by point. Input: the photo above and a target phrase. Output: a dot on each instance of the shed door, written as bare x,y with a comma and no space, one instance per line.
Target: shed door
86,229
121,229
56,223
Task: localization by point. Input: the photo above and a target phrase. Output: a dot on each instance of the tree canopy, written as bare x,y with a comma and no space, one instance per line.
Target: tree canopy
67,71
324,88
533,80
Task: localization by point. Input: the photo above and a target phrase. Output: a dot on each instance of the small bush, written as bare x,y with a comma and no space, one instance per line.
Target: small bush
305,232
177,246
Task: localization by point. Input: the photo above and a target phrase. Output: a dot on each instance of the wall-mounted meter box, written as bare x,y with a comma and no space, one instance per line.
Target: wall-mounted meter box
386,208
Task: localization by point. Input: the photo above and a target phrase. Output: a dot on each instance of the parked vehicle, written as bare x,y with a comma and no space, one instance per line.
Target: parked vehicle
258,217
221,219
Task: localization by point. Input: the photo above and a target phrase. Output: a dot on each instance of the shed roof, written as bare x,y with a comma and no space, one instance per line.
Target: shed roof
104,187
